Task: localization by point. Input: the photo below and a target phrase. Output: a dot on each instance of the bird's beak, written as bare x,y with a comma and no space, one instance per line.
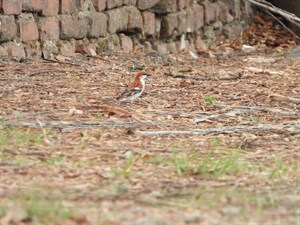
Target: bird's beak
147,74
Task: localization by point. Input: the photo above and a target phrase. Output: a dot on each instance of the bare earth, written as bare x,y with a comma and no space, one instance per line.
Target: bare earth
218,144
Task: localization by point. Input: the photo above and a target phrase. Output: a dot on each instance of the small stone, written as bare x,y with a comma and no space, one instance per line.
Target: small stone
295,52
193,217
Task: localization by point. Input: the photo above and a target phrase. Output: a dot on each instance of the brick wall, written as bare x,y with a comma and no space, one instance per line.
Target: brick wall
43,28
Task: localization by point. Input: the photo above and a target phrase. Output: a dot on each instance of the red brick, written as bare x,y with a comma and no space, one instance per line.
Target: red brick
117,19
146,4
73,27
168,25
28,28
99,5
8,28
33,50
33,5
135,20
49,28
11,7
126,43
50,8
98,25
113,3
149,22
67,6
182,4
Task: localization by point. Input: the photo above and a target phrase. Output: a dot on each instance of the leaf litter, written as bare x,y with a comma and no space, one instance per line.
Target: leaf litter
65,137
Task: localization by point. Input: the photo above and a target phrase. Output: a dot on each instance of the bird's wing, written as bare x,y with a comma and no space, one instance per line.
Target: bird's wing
130,92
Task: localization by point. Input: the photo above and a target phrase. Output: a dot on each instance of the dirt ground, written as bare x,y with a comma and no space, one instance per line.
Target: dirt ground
213,140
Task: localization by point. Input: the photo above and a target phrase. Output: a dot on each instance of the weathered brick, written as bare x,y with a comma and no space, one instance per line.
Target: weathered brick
11,7
8,28
222,12
149,22
129,2
232,31
66,48
49,48
73,27
165,6
33,5
28,28
135,20
160,47
49,28
117,19
210,12
99,5
116,42
168,24
33,49
234,7
15,50
146,4
172,47
51,8
98,25
190,27
67,6
158,20
126,43
113,3
182,4
3,52
182,22
198,13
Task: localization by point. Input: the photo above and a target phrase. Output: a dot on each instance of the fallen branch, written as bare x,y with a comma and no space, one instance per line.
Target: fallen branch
287,128
171,74
70,125
268,6
216,116
285,98
261,109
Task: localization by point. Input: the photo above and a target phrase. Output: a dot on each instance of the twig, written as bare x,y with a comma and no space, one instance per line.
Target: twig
288,128
282,24
56,61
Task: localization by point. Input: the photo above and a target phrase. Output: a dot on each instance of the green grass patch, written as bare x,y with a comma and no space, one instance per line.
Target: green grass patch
210,164
19,136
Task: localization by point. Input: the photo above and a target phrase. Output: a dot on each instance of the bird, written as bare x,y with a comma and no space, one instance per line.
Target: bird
135,89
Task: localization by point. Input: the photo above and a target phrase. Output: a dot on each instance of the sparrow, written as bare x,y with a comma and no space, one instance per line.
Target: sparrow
135,89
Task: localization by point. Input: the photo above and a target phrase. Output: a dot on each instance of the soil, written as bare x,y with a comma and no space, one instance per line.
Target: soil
212,140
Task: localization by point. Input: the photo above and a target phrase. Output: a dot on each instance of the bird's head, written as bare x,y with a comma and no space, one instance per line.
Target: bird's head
143,75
